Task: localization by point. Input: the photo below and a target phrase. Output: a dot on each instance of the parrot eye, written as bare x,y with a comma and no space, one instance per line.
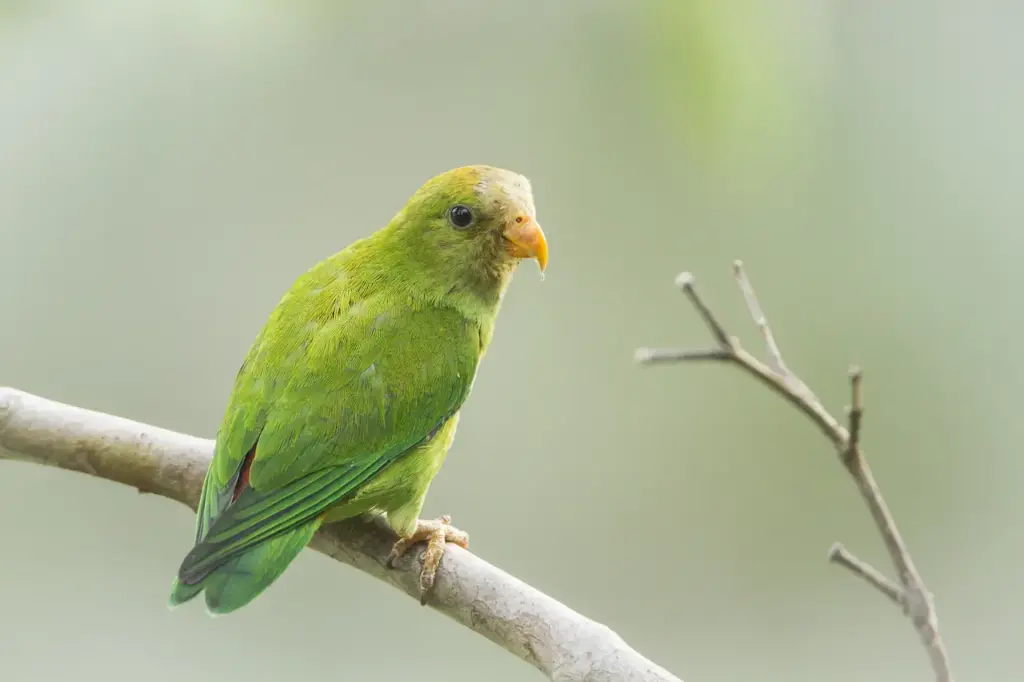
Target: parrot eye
460,216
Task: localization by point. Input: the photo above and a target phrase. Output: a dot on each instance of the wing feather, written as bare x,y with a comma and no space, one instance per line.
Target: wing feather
328,406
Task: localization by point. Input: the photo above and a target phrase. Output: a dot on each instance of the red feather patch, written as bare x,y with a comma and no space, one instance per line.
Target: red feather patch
243,475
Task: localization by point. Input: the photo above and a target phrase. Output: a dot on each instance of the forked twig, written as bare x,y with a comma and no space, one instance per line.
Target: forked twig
910,594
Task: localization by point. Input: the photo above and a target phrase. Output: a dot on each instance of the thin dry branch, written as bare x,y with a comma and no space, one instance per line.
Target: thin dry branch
841,556
911,594
548,635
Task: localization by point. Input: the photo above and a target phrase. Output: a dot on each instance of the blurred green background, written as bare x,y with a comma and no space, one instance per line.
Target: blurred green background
168,168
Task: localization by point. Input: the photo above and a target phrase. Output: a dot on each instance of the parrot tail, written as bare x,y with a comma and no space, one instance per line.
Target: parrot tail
237,582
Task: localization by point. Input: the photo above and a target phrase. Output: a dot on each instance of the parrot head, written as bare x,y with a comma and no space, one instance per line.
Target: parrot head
470,227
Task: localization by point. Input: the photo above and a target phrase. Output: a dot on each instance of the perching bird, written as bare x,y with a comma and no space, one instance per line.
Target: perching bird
348,399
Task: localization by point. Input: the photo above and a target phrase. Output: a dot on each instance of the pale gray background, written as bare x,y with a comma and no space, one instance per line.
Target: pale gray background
168,168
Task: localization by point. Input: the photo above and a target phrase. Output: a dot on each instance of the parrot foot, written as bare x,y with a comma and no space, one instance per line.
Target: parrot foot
437,532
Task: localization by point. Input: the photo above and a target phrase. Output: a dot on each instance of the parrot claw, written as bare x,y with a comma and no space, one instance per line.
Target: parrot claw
437,532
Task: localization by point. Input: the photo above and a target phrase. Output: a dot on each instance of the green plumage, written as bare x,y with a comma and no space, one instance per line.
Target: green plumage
349,397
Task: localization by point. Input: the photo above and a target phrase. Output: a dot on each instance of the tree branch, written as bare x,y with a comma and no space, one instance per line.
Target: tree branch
561,643
911,595
841,556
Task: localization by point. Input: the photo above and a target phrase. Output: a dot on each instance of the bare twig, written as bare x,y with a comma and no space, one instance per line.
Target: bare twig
855,415
652,355
524,621
754,306
912,595
685,281
841,556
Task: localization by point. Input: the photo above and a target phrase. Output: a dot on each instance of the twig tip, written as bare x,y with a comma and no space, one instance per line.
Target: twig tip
643,355
855,411
684,280
835,551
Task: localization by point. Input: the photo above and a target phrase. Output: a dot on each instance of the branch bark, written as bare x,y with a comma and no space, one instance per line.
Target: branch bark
561,643
911,595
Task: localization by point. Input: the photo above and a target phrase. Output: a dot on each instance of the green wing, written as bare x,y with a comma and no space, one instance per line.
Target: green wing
331,393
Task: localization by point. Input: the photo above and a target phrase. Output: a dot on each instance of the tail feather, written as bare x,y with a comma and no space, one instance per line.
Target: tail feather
240,580
181,593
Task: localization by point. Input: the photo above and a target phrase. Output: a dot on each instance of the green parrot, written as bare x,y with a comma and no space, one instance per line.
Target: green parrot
349,397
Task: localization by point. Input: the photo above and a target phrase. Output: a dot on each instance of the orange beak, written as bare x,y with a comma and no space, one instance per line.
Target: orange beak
526,240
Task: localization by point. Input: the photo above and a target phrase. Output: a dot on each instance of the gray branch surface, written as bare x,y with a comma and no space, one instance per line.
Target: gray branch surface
561,643
911,594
